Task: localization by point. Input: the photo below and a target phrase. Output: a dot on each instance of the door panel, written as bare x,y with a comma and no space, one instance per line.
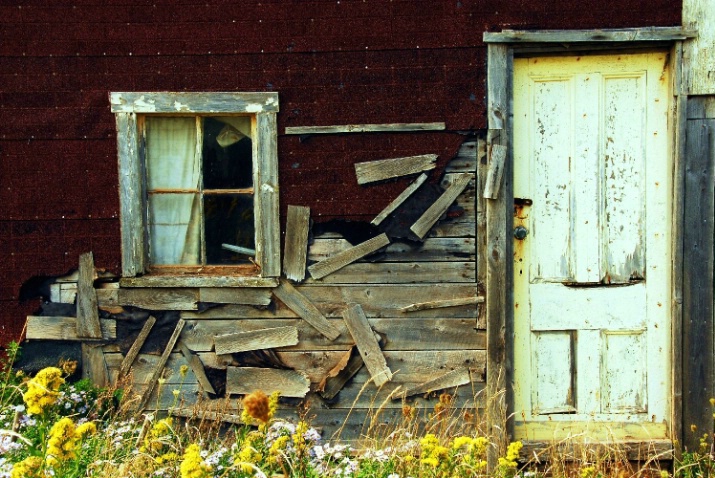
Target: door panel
591,278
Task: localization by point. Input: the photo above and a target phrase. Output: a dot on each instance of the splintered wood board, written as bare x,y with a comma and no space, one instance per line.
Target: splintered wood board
305,309
399,199
367,344
87,314
270,338
244,380
296,243
422,226
451,379
373,171
64,328
341,259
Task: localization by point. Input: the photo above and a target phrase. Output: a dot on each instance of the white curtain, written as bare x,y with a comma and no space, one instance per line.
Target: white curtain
174,217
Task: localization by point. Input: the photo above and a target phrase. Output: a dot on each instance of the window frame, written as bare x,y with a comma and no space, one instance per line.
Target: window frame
129,109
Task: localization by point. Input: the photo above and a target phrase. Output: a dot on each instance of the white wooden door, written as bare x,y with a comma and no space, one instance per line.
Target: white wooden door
592,187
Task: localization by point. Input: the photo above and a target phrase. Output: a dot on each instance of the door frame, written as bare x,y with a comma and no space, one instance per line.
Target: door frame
497,177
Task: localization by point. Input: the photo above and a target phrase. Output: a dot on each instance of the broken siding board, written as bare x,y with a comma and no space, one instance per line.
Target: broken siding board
245,380
365,128
368,346
270,338
399,334
437,304
438,249
198,368
450,380
334,384
439,207
399,199
160,365
302,306
190,102
64,328
151,299
136,346
380,170
87,313
265,176
235,295
401,273
495,171
467,157
296,242
94,366
336,262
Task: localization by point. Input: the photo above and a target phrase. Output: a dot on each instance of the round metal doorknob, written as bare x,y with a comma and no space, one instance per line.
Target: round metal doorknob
520,233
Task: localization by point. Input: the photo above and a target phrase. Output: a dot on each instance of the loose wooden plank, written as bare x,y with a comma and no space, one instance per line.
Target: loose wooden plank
269,338
380,170
495,171
94,367
197,281
368,346
191,102
87,313
198,368
64,328
365,128
268,233
151,299
299,304
599,35
449,380
440,206
136,346
334,383
399,199
401,273
399,334
296,243
160,366
436,304
334,263
235,295
244,380
433,249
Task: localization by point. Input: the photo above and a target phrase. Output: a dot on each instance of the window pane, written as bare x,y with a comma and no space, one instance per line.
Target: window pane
227,153
174,229
171,153
229,220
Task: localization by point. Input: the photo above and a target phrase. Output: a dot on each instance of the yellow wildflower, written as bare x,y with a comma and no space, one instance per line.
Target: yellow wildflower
62,442
508,463
42,391
277,448
84,430
193,465
712,402
588,471
461,441
167,458
430,461
156,438
28,468
183,370
247,458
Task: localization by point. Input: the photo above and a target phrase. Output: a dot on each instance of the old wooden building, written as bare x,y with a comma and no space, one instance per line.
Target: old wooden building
357,203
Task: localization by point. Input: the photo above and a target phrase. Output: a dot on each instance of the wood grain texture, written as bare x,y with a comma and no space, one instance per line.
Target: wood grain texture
433,249
305,309
191,102
495,171
151,299
401,273
87,313
399,199
438,304
600,35
64,328
265,177
244,380
368,346
235,295
365,128
449,380
296,243
197,281
94,367
340,260
700,51
198,368
422,226
151,383
380,170
261,339
136,346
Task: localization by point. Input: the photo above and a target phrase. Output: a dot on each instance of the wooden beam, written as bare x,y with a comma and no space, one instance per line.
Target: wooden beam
367,344
305,309
196,281
495,171
136,346
190,102
288,383
41,327
153,299
400,199
87,313
334,383
160,366
422,226
451,379
265,177
365,128
341,259
577,36
198,368
235,295
269,338
296,242
380,170
438,304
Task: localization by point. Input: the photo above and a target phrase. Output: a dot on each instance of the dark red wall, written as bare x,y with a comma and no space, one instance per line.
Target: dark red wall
332,62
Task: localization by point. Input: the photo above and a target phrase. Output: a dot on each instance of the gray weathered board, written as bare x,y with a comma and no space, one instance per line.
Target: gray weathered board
382,169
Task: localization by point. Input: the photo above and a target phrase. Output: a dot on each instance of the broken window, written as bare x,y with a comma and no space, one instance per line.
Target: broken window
199,188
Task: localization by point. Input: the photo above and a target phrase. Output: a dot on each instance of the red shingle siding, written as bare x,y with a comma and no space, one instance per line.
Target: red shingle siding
332,62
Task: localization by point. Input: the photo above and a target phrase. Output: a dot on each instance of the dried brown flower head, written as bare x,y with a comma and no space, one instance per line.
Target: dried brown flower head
257,406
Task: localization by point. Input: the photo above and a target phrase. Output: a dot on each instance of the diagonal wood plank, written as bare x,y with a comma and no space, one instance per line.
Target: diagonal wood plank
136,346
305,309
373,171
160,366
422,226
399,199
367,344
341,259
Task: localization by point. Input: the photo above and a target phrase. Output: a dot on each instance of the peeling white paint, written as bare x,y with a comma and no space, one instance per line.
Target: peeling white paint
142,104
179,107
254,108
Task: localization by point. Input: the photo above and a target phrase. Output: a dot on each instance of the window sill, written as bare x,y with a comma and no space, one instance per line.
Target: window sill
163,280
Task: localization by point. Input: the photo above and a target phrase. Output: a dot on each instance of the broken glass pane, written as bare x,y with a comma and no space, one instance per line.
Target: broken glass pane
227,154
228,219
